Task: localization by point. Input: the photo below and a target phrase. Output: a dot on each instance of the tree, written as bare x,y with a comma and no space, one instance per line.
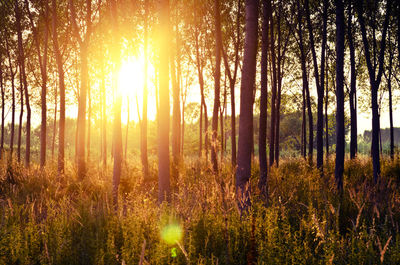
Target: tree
340,141
243,170
60,70
143,128
83,49
353,80
42,59
303,60
163,121
217,85
319,78
262,141
375,79
21,59
232,80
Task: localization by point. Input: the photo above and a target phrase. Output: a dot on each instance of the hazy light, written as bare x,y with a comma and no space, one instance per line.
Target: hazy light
171,234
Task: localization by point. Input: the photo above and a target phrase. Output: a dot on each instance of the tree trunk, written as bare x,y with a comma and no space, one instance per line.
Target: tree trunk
54,122
143,128
375,80
126,132
303,59
243,171
163,132
60,69
319,79
352,96
262,140
89,121
2,109
21,115
217,86
340,141
25,85
12,77
43,71
326,113
273,95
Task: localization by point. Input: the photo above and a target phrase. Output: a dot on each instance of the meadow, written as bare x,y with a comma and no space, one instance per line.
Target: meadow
46,218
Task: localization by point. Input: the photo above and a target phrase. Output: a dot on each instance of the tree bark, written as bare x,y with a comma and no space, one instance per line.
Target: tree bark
163,133
12,77
319,79
243,171
143,128
2,109
217,86
340,141
262,140
303,58
352,96
21,115
60,69
25,85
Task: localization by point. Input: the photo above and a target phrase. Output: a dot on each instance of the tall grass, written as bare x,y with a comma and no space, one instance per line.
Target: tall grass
50,219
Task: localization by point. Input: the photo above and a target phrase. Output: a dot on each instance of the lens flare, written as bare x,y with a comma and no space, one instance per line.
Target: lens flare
171,234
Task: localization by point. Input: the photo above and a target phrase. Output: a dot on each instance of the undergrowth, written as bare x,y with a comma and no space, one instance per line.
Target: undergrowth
46,218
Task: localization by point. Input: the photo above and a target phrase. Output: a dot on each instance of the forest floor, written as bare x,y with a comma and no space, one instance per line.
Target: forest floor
50,219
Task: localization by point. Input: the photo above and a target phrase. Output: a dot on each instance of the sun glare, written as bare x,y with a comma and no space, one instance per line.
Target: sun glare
131,80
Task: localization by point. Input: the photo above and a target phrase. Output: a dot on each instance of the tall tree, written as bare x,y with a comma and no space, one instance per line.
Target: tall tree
232,80
83,52
303,60
163,121
340,141
353,80
60,70
2,106
143,128
217,84
42,59
21,59
21,114
262,140
319,77
374,77
12,78
243,170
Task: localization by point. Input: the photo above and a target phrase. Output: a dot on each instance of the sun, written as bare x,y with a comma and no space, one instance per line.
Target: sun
131,81
131,77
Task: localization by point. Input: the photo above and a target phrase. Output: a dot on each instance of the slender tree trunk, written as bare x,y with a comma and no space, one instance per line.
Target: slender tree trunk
60,69
326,113
126,133
89,122
273,95
21,115
352,96
375,80
143,128
12,77
243,171
303,59
319,79
43,71
340,141
2,109
25,85
54,122
201,131
389,85
262,140
217,86
117,130
304,126
104,121
163,133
